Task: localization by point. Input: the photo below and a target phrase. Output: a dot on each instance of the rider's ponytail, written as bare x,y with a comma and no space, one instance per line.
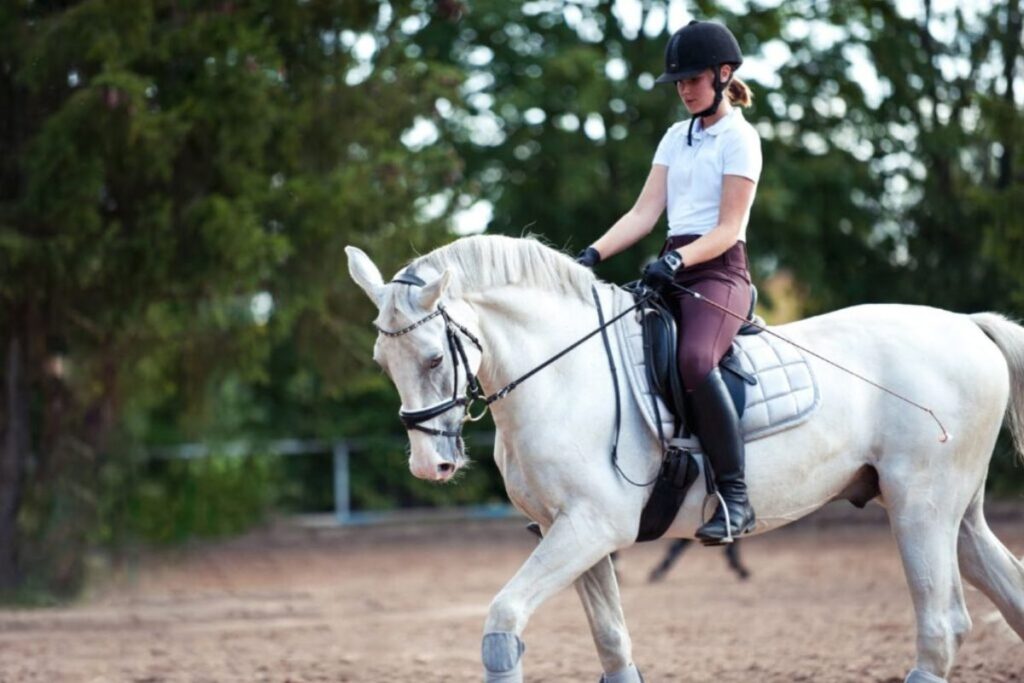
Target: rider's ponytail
739,93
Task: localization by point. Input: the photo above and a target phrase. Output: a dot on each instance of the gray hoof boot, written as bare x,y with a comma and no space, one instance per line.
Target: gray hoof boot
918,676
502,654
628,675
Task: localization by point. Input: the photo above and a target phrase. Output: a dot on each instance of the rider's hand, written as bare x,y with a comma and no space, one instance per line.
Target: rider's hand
589,257
659,274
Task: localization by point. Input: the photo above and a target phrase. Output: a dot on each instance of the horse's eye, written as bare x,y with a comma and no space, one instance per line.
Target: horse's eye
436,361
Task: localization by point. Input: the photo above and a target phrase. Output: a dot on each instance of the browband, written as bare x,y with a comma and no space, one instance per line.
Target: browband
407,277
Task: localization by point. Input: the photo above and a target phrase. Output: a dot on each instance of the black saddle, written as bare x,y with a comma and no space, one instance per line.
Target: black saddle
660,335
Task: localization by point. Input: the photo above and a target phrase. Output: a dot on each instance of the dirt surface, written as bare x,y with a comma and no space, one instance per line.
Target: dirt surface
825,603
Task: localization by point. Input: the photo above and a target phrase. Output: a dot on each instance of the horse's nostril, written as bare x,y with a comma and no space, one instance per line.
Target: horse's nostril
445,468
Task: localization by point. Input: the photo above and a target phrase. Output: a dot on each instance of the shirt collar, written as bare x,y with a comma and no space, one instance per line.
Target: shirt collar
720,126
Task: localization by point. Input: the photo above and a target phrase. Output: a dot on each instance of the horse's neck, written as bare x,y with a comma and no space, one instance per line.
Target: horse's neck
522,328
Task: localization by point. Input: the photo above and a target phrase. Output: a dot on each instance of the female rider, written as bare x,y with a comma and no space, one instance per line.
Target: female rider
705,171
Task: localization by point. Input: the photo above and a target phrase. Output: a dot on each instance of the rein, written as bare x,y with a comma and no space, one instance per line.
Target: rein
413,419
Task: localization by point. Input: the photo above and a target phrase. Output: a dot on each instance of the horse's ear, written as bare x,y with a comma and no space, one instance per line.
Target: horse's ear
365,273
433,292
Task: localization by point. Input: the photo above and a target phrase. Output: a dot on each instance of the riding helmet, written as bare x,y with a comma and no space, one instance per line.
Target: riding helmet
698,46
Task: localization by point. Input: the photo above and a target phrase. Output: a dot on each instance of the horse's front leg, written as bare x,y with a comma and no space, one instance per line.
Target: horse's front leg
599,591
573,544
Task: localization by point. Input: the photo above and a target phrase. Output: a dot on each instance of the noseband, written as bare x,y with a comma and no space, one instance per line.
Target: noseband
414,419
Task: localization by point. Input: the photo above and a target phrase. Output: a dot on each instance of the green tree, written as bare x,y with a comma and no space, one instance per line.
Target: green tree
937,139
889,151
163,166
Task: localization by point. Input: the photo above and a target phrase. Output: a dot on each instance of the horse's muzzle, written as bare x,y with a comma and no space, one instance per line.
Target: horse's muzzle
434,468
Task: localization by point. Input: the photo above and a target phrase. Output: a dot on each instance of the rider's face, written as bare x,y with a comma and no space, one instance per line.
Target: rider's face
698,93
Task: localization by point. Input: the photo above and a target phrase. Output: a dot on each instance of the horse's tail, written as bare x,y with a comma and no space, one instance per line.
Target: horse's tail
1009,337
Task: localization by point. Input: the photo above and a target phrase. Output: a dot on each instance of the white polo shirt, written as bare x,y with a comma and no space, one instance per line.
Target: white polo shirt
694,192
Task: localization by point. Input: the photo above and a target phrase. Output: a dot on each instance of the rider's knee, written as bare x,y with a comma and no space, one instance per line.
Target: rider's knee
694,367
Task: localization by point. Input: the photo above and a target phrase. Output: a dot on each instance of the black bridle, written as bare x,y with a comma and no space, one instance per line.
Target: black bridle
414,419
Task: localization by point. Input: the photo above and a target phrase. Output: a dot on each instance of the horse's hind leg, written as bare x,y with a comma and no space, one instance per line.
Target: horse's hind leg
732,552
925,526
599,592
990,567
677,548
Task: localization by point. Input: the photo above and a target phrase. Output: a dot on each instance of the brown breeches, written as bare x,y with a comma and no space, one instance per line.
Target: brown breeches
705,333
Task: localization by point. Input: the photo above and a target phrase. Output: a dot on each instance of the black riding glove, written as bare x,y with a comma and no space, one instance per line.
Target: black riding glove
658,275
589,257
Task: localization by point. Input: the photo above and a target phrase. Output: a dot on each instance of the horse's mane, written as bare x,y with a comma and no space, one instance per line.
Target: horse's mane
484,261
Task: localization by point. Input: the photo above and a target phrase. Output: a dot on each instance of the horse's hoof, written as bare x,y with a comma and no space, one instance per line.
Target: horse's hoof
919,676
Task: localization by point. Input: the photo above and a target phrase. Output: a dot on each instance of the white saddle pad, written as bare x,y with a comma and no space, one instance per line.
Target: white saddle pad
786,393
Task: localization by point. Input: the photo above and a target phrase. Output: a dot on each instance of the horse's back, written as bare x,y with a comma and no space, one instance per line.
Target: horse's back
934,358
884,324
902,341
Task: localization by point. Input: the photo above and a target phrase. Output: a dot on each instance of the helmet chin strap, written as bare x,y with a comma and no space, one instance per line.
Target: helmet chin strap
720,87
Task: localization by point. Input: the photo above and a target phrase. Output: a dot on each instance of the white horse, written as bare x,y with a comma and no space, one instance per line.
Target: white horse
524,302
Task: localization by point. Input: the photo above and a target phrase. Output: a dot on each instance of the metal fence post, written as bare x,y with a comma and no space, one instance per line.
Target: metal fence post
342,502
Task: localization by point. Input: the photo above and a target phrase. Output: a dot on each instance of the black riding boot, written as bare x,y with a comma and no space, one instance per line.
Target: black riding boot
718,427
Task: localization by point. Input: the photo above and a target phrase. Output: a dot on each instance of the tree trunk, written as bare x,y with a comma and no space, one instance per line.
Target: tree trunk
1011,49
12,453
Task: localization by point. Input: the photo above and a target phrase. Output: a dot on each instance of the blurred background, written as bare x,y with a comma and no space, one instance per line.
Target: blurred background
182,352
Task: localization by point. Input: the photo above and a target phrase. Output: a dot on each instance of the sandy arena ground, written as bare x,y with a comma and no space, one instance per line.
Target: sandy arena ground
826,603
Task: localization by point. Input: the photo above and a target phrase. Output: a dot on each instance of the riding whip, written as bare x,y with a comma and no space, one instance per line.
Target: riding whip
946,436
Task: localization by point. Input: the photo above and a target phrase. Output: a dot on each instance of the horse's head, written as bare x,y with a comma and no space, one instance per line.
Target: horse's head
432,360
